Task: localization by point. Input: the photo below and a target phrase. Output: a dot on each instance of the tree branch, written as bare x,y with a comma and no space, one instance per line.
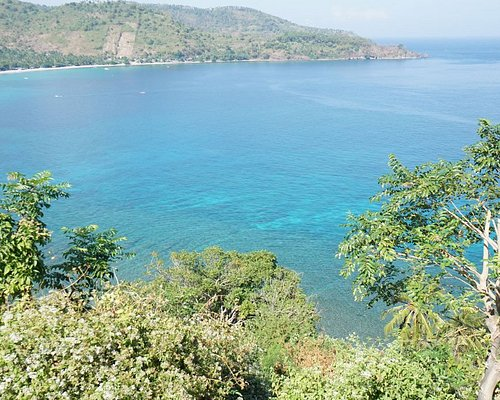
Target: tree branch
464,220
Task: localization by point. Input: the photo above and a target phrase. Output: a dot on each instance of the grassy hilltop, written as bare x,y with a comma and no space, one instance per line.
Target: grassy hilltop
115,31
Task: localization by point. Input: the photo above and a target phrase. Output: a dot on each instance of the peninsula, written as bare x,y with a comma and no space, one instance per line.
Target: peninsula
117,32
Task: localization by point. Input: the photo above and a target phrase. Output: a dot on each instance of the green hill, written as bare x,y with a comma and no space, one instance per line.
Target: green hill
115,31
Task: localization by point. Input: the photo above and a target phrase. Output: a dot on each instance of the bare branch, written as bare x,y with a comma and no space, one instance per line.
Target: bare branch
486,248
82,275
464,220
467,269
465,282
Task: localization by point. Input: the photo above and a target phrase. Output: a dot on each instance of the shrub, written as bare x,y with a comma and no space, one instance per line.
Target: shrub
363,372
247,287
128,346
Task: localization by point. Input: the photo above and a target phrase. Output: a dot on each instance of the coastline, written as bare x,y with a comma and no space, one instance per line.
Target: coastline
139,64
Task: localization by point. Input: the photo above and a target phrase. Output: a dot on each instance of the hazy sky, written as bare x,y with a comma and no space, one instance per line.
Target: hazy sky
376,18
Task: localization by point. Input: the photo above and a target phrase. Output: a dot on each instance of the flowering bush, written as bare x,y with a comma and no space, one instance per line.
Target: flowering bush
126,347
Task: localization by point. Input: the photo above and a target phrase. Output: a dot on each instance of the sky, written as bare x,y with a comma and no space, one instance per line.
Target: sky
375,18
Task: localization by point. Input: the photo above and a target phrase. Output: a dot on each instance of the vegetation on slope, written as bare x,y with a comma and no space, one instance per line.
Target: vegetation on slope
115,31
11,59
126,347
226,325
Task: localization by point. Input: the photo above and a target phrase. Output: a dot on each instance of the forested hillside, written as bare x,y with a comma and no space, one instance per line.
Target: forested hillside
115,31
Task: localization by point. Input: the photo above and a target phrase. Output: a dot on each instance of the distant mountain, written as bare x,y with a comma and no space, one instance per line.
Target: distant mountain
116,31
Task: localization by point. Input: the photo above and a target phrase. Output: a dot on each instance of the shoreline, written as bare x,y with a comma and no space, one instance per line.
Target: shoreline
139,64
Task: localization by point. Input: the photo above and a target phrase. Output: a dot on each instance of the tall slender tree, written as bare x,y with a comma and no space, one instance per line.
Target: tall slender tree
436,238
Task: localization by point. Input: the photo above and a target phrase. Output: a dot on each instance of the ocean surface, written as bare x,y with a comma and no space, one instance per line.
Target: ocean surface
246,156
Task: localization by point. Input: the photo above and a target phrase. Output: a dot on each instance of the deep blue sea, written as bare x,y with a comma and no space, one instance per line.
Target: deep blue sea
246,156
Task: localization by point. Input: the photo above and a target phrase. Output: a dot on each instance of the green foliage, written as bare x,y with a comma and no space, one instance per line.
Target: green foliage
249,288
218,281
416,319
87,266
241,286
23,233
359,371
424,238
129,345
465,332
11,59
126,347
283,313
421,251
28,197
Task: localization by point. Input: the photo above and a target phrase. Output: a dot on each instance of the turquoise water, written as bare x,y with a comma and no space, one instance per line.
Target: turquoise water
245,156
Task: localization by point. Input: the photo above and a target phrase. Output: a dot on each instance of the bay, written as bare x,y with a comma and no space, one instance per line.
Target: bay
245,156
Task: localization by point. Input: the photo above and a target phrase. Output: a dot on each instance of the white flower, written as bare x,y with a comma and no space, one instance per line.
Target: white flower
9,357
7,316
366,374
15,337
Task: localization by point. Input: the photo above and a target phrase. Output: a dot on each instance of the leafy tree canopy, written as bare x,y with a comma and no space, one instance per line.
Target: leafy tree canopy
23,234
249,288
432,249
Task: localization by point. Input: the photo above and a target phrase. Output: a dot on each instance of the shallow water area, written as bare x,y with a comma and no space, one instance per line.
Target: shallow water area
246,156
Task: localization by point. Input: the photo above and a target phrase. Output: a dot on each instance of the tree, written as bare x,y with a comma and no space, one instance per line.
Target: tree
249,288
23,234
86,268
434,245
